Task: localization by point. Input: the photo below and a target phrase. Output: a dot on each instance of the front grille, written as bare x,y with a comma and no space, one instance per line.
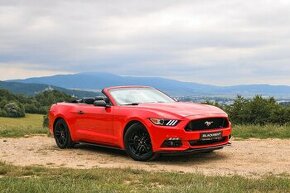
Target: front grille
208,123
207,142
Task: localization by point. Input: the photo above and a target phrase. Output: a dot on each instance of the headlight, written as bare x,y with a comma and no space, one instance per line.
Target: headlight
164,122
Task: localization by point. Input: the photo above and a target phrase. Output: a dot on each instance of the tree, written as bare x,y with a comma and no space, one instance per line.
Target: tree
49,97
236,110
38,104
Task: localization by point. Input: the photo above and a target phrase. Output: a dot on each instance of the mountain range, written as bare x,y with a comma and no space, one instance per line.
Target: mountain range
95,81
31,89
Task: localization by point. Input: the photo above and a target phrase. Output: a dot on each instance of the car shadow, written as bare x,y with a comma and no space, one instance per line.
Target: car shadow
196,158
101,149
162,159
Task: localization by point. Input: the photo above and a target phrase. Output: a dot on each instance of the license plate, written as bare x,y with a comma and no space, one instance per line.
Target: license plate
211,136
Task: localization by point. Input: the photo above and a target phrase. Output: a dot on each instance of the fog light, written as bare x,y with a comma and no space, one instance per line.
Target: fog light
172,142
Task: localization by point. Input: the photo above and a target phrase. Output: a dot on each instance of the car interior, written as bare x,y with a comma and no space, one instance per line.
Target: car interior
91,100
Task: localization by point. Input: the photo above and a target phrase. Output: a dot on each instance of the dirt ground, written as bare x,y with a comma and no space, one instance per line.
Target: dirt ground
250,158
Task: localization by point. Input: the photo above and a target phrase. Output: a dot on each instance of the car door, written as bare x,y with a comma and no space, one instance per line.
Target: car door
94,124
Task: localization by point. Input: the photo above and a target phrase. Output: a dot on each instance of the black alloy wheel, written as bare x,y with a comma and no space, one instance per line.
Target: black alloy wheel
62,135
138,143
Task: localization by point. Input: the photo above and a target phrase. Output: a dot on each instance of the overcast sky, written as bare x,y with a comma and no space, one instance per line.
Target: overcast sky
222,42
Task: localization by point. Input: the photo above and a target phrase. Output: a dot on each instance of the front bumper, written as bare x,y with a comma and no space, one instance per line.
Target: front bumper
190,140
193,151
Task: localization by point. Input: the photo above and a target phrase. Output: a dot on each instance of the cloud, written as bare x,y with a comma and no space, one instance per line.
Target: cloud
219,42
24,70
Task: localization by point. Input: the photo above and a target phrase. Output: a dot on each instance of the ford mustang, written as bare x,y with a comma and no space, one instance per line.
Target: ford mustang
141,120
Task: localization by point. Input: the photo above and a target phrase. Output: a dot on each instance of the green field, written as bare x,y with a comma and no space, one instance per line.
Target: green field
262,132
18,127
39,179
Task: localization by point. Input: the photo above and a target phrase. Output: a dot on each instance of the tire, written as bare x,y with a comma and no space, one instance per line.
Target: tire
138,143
62,135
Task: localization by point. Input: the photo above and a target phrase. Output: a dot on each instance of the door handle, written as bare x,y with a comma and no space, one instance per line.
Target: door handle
81,112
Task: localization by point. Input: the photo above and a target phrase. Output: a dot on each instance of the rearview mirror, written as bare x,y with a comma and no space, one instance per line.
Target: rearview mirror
101,103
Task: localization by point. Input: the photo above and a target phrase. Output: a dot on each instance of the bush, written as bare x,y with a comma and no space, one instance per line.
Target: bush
258,110
3,113
31,108
280,115
45,122
14,110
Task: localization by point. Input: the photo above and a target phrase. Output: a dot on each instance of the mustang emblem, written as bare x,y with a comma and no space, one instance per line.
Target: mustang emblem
208,123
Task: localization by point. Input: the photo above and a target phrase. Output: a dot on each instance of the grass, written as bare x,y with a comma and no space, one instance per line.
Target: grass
19,127
39,179
262,132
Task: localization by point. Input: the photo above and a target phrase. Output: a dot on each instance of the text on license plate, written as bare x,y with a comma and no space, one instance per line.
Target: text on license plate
210,136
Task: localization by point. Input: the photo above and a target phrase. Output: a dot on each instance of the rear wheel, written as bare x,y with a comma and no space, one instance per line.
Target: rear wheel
138,143
62,135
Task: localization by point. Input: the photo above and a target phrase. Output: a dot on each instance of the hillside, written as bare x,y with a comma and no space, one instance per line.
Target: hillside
31,89
99,80
96,80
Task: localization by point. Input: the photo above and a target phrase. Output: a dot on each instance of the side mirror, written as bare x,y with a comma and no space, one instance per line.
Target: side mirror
101,103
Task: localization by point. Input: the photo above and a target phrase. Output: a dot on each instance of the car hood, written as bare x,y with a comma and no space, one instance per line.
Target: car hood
183,109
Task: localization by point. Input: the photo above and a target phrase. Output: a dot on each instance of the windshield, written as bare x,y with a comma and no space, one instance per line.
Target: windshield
134,96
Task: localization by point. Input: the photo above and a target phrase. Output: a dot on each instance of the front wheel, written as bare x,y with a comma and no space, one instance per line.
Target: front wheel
138,143
62,135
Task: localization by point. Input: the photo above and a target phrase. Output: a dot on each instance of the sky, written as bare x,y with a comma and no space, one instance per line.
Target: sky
221,42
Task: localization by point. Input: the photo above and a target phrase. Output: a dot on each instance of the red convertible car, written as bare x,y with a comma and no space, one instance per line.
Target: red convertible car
141,120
